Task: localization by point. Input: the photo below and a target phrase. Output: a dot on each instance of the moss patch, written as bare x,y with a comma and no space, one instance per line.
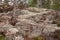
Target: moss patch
2,37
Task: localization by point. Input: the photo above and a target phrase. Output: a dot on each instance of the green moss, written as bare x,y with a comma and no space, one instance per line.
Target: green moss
35,38
2,37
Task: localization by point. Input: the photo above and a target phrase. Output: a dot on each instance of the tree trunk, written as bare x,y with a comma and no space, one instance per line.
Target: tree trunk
39,3
51,2
15,7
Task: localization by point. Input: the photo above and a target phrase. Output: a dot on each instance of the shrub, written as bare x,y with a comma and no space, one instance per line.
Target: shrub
55,5
32,3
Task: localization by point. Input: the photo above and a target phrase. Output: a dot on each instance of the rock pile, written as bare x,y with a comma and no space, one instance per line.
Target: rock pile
36,20
30,21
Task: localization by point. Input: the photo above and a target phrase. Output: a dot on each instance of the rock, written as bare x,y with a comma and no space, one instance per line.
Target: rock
19,38
13,30
6,27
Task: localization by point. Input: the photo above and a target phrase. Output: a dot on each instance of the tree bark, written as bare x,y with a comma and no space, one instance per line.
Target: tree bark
39,3
51,2
15,7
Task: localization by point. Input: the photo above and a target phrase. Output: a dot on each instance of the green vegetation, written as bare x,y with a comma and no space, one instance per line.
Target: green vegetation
43,3
38,38
35,38
32,3
46,4
55,5
2,37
